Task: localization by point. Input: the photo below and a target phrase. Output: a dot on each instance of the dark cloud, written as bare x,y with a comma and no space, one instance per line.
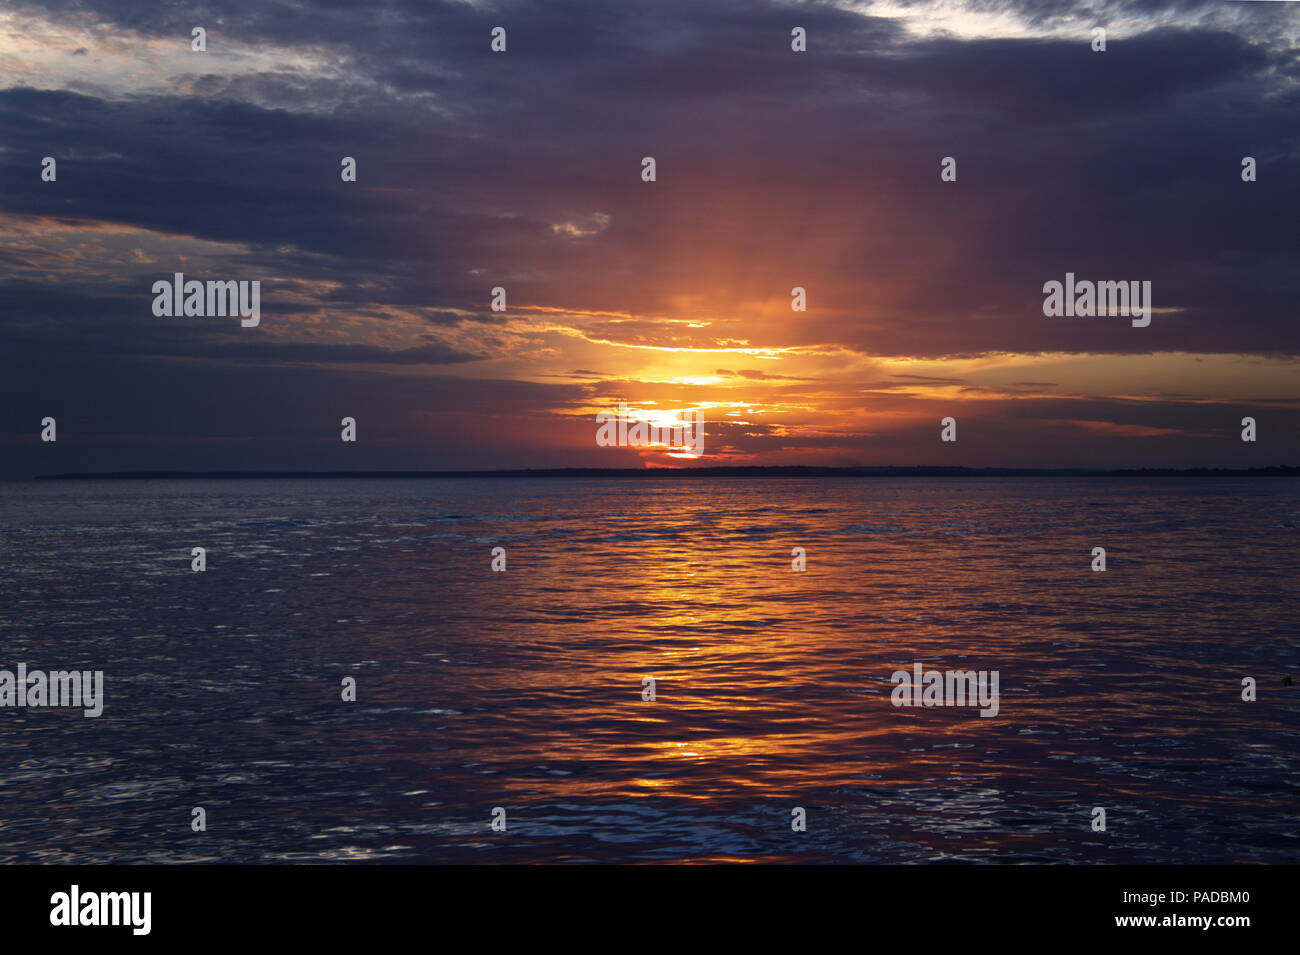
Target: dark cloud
775,169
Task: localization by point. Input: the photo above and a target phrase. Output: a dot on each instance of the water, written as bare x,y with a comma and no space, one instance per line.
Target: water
523,689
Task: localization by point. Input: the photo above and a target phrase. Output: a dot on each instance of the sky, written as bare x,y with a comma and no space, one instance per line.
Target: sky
522,169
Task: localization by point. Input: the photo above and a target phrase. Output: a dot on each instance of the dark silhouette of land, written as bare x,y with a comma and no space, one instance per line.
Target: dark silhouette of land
670,474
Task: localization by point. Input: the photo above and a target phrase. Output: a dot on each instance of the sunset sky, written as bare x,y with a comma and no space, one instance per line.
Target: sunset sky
522,169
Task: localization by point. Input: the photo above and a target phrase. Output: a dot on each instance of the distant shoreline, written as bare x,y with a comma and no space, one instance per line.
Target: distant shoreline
684,473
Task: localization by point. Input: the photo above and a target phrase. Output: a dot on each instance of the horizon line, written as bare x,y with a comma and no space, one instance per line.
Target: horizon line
756,471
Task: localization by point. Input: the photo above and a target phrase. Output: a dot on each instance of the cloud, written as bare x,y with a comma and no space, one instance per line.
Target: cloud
775,169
